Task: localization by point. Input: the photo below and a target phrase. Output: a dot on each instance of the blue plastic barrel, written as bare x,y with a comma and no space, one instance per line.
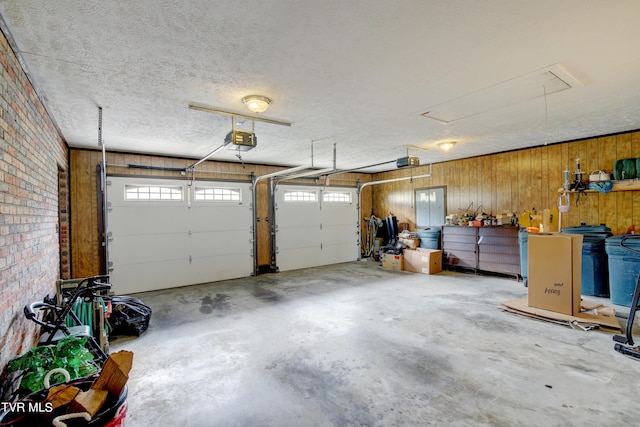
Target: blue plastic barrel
429,237
523,239
595,268
624,267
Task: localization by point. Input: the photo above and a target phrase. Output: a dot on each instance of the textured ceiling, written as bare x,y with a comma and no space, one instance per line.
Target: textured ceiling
361,74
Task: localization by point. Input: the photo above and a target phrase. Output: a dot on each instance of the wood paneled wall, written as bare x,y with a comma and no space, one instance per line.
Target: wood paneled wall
519,180
85,240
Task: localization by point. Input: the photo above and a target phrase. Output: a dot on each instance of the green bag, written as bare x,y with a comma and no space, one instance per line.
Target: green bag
617,170
629,168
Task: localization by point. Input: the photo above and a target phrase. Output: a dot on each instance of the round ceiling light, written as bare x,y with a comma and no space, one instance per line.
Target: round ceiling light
446,145
257,103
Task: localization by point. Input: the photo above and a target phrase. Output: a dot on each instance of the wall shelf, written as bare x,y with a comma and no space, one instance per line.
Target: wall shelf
626,185
621,185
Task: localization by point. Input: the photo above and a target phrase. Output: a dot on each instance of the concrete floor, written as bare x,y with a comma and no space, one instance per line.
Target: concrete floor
358,345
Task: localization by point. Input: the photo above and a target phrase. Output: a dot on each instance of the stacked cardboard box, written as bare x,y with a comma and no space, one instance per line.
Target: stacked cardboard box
423,260
392,261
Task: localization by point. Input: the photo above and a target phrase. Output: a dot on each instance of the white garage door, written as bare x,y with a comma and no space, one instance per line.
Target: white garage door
162,237
315,226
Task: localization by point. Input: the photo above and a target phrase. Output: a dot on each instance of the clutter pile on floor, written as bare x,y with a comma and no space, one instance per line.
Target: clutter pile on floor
68,378
403,251
592,315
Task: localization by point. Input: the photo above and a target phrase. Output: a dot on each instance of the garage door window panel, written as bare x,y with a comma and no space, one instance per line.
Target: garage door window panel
338,197
300,196
152,192
217,194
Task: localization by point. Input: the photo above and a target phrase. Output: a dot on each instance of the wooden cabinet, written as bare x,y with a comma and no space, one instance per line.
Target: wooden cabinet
487,249
499,250
460,246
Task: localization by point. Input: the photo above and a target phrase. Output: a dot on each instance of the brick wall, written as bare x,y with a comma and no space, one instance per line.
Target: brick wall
33,158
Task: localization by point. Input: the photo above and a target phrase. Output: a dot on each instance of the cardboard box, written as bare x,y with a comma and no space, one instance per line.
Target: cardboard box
423,260
394,262
410,242
554,276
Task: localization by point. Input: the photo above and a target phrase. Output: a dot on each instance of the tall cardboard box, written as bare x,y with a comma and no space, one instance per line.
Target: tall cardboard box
423,260
554,276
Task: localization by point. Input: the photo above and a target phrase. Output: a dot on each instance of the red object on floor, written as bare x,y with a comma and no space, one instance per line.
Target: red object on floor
118,419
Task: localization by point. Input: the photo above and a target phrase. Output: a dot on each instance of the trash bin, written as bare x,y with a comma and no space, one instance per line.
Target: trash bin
595,271
429,238
624,267
523,240
112,413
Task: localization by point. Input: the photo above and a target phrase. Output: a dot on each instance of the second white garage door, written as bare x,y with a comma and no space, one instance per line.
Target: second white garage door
315,226
165,234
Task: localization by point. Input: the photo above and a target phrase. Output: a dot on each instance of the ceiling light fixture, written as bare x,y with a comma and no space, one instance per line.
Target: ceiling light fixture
257,103
447,145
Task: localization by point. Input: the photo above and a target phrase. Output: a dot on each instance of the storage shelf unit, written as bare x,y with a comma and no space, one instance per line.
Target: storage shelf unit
460,246
487,249
499,250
